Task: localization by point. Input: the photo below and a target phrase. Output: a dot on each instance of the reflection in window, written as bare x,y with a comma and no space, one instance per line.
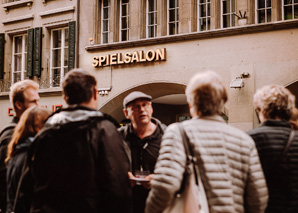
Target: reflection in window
59,56
173,17
105,19
151,18
124,20
290,9
19,60
203,14
228,7
263,11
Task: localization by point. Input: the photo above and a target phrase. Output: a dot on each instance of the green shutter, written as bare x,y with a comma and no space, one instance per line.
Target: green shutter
71,44
37,51
30,49
2,43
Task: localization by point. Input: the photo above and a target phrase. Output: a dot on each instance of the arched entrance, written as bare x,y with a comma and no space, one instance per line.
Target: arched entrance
169,101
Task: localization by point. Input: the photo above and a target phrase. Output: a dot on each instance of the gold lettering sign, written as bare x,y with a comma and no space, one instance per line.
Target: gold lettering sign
128,57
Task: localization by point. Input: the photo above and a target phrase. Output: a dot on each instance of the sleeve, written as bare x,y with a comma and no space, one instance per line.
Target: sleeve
168,173
113,174
256,193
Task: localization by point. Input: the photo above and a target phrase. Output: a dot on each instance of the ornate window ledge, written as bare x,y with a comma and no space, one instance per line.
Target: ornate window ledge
57,11
16,4
20,18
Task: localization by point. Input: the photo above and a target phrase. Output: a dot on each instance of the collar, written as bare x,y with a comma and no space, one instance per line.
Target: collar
217,118
277,123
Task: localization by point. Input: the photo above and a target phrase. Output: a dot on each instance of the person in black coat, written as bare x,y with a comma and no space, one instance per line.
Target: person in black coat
79,162
31,122
274,105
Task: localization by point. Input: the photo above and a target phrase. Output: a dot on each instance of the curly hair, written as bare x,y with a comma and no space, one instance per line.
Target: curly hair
206,93
274,101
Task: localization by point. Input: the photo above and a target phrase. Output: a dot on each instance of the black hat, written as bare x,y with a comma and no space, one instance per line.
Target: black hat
134,96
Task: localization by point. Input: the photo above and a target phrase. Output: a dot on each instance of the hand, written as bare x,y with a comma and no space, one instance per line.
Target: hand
132,179
147,185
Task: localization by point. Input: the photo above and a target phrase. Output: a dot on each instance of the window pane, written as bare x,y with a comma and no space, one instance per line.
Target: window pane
295,1
226,6
261,4
203,11
125,1
56,38
56,77
288,12
295,11
124,23
56,58
202,1
17,76
150,18
124,35
268,3
226,21
172,28
106,13
105,26
18,44
151,31
105,38
261,16
124,10
151,5
105,3
18,63
172,3
287,2
65,56
172,15
208,9
269,15
66,37
26,42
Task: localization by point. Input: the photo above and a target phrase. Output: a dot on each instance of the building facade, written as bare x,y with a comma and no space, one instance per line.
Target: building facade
153,46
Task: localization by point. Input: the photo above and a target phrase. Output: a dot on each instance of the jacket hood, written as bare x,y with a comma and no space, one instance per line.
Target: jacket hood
68,116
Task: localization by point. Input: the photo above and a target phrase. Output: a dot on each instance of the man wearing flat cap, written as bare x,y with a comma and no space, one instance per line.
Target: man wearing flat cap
143,136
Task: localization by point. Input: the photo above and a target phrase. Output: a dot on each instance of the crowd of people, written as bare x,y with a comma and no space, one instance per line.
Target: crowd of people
79,160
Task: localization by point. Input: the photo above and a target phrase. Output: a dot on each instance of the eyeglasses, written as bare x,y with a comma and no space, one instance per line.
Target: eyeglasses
137,107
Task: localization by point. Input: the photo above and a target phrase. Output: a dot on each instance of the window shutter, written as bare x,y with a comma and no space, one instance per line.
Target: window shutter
37,51
2,43
30,49
71,44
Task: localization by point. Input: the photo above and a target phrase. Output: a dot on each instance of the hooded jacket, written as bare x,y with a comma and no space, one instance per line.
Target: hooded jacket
79,165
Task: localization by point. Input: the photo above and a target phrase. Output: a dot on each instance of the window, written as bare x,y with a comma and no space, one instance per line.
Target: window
105,20
124,20
263,11
228,7
203,15
59,56
19,58
151,18
173,17
290,9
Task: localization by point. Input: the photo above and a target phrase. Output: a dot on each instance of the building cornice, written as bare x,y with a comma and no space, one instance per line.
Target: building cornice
198,35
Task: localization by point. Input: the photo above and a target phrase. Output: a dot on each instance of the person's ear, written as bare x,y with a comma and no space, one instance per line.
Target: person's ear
95,95
19,105
125,111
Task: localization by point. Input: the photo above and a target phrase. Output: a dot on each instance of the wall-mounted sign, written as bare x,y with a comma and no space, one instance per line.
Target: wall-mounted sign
128,57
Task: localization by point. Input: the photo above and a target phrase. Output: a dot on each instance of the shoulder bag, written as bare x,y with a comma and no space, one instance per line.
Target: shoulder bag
191,197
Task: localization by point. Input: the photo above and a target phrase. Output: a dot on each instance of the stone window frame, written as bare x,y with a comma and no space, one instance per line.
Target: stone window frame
23,55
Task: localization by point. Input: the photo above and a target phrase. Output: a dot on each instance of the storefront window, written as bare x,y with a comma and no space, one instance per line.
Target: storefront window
228,7
105,20
173,17
263,11
290,9
151,18
204,14
19,58
59,56
124,20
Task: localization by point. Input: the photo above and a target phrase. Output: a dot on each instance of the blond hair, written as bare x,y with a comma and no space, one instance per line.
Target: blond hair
31,121
274,101
17,91
206,93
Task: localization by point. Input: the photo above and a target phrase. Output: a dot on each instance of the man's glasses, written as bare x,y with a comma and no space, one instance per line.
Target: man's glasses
137,107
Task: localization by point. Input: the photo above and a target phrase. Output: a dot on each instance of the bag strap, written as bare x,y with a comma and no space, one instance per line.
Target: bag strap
190,159
289,142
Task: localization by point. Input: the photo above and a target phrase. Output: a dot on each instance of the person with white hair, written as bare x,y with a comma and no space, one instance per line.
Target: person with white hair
277,146
227,158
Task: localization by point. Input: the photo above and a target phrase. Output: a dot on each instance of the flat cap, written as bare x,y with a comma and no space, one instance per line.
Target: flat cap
134,96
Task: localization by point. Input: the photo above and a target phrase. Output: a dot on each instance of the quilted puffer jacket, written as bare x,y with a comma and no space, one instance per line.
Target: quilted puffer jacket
228,163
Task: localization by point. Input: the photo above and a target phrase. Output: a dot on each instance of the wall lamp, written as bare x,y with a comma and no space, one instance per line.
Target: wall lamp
238,81
103,91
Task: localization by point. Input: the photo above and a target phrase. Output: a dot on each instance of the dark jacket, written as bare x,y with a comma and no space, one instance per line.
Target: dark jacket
282,178
5,137
15,167
79,165
143,152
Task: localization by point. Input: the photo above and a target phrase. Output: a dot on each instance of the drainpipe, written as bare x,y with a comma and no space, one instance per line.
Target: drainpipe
78,34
